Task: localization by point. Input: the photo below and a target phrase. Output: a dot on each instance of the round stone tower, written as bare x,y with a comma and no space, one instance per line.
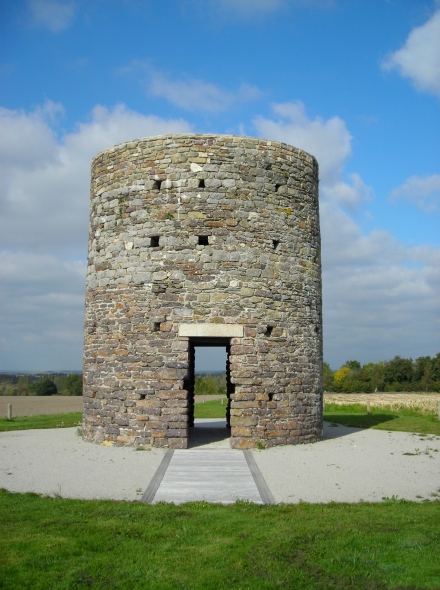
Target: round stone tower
203,240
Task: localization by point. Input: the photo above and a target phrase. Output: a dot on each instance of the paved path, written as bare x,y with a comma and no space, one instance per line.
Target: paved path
211,475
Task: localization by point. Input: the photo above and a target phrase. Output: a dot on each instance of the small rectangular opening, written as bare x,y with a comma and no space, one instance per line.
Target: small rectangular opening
142,396
154,241
275,244
156,327
202,183
203,240
157,184
277,187
268,331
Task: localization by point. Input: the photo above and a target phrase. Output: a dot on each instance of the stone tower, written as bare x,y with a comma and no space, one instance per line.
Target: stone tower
203,240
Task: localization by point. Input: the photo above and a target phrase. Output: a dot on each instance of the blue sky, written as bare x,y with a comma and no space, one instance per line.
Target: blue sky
356,83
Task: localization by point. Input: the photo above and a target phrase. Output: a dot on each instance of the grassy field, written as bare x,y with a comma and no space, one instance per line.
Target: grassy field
404,418
396,418
43,421
68,544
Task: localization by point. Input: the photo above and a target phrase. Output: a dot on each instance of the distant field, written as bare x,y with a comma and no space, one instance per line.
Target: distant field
58,404
424,402
24,405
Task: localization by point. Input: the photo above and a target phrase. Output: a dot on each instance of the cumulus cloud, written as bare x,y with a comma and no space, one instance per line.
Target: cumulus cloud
55,15
328,140
44,202
419,58
422,192
49,181
373,285
378,295
197,95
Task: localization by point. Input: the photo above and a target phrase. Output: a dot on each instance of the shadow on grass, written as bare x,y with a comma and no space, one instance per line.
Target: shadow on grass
358,420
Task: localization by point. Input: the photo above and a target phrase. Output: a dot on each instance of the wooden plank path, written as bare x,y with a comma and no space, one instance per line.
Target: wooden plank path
210,475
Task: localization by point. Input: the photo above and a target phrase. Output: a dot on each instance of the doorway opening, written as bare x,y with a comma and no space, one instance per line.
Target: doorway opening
209,381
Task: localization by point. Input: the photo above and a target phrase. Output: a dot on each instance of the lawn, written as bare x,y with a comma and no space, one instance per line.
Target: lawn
43,421
68,544
404,419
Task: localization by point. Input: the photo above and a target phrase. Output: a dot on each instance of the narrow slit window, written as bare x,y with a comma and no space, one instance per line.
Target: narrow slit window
202,183
270,395
275,244
154,241
268,331
203,240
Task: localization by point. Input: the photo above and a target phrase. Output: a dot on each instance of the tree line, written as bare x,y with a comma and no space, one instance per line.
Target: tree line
398,374
41,384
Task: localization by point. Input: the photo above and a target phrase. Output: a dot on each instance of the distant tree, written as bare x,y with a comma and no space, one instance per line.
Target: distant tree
23,385
398,370
327,377
341,374
353,365
375,373
74,384
420,366
45,387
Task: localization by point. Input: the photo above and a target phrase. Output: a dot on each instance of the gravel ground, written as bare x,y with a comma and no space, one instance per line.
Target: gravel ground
349,465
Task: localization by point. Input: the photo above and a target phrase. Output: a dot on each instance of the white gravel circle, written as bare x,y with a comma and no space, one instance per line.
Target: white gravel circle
349,465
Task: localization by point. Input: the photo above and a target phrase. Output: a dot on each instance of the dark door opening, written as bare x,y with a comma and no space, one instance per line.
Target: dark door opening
208,371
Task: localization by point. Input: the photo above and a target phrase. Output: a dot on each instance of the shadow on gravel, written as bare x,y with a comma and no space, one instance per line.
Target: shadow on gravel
209,432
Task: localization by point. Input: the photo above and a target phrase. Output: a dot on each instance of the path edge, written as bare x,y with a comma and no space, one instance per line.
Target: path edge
260,482
157,478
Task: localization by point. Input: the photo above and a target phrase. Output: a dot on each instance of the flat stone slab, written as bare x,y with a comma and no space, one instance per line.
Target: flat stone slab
215,475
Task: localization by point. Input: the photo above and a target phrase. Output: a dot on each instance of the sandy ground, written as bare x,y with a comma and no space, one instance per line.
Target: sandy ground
349,465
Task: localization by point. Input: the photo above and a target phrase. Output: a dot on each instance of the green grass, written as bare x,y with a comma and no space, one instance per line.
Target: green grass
211,409
68,544
355,415
403,420
42,421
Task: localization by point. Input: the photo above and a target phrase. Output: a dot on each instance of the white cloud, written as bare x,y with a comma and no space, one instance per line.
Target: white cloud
197,95
27,139
55,15
419,58
44,188
44,203
379,296
423,192
329,141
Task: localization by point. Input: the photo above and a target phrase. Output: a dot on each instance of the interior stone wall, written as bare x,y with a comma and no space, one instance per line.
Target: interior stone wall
203,234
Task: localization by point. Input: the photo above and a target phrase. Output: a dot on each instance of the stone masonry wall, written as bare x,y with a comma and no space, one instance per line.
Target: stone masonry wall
211,230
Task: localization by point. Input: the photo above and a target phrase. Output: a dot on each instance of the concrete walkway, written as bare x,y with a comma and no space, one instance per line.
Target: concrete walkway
210,475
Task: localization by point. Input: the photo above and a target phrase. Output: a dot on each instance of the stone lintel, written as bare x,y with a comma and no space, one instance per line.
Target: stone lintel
211,330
